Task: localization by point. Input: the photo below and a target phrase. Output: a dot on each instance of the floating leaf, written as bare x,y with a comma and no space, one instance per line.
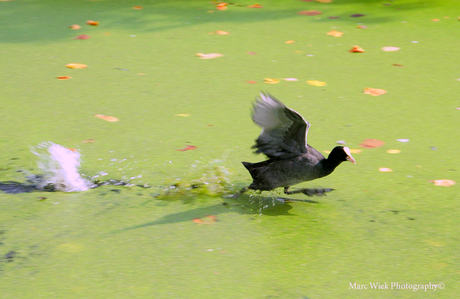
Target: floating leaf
182,114
255,6
316,83
374,91
290,41
76,66
219,32
398,65
208,56
92,23
222,6
361,26
107,117
82,36
271,81
355,151
393,151
333,18
290,79
357,49
385,169
251,82
443,183
75,27
187,148
310,12
64,77
390,49
251,53
88,141
208,219
372,143
335,33
137,7
357,15
435,20
403,140
324,1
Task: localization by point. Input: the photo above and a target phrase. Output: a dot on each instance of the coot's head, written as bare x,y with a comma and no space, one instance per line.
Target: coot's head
342,153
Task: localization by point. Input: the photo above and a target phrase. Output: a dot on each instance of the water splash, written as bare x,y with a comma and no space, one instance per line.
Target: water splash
60,169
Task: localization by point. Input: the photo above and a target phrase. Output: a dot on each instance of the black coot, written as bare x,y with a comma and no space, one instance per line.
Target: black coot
284,141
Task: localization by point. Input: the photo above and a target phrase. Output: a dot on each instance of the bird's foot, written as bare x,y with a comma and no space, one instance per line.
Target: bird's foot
309,192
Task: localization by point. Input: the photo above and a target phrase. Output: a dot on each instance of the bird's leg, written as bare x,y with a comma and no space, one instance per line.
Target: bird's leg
308,192
239,193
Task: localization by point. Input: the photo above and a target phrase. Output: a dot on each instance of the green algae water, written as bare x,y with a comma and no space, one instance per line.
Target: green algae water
155,237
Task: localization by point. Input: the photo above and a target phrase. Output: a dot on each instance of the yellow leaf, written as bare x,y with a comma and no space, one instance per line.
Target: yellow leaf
335,33
182,114
271,81
355,151
107,117
393,151
76,65
290,41
316,83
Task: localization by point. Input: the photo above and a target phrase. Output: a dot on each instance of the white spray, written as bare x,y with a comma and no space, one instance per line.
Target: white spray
60,168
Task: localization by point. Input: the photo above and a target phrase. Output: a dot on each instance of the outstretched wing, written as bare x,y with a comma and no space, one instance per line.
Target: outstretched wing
284,131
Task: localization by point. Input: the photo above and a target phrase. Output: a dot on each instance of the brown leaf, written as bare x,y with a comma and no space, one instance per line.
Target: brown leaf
63,77
372,143
137,7
107,117
255,6
310,12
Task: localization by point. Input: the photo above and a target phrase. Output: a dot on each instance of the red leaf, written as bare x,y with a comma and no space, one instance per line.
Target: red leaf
372,143
187,148
82,36
310,12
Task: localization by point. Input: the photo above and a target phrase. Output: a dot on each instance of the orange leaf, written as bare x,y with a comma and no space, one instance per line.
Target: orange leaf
107,117
75,27
76,66
82,36
208,219
187,148
290,41
335,33
72,149
222,6
219,32
137,7
92,23
372,143
443,183
374,91
357,49
324,1
63,77
255,6
208,56
88,141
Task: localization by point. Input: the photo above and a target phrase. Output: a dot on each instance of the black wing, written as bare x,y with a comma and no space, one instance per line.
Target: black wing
284,131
